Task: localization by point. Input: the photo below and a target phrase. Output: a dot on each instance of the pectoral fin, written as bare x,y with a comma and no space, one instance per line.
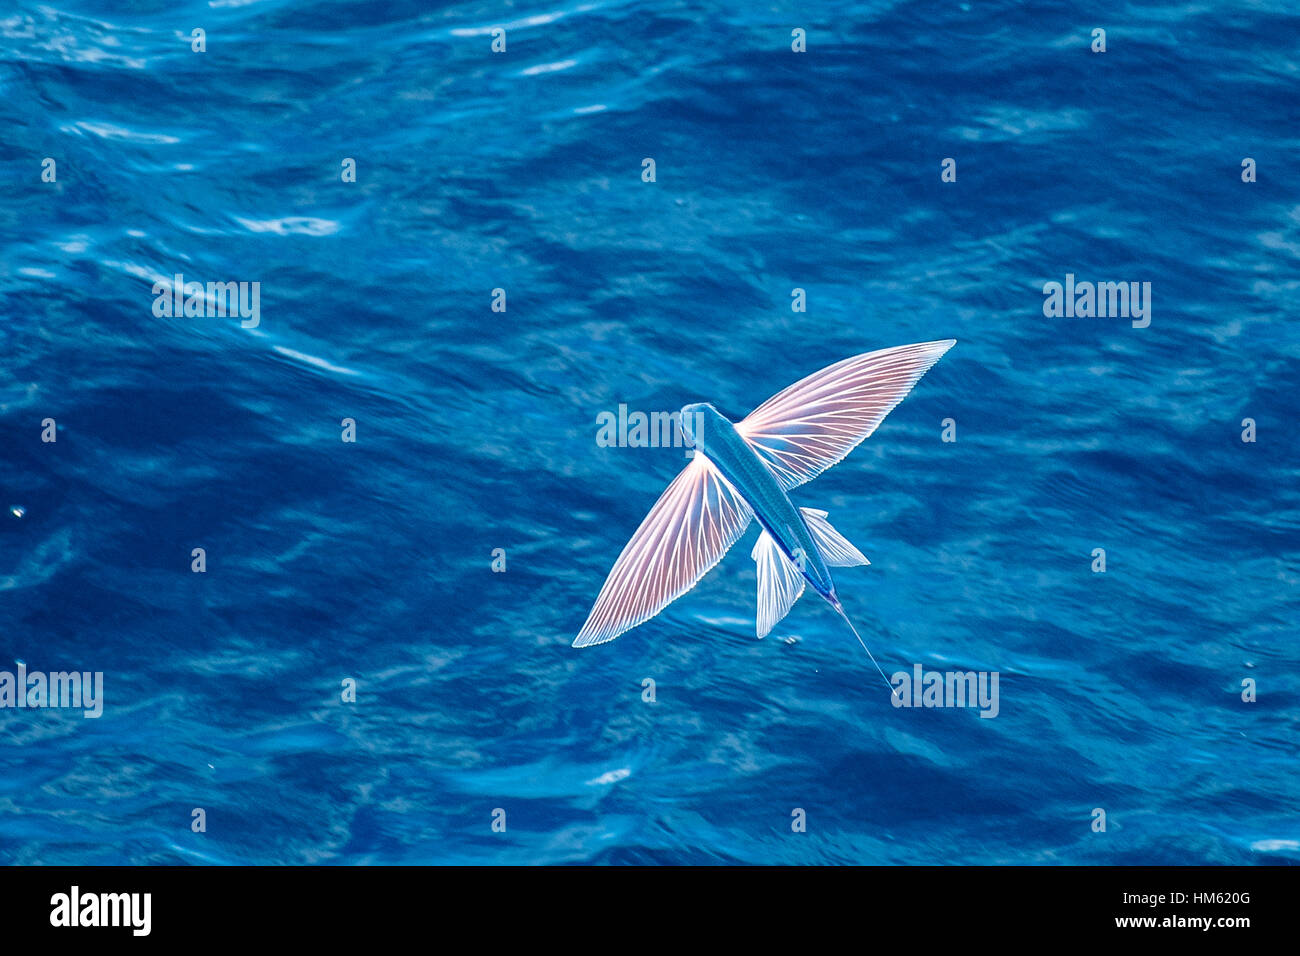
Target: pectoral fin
685,534
836,550
779,583
805,429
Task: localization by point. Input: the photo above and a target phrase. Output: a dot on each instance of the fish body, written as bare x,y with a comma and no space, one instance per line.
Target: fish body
716,437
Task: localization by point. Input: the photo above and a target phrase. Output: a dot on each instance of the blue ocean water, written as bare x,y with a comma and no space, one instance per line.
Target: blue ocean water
476,429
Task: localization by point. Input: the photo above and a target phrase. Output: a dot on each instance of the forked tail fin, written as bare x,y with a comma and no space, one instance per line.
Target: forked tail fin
893,691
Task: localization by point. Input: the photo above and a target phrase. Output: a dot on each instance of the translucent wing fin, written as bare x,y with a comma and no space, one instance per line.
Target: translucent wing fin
803,430
692,525
779,583
836,550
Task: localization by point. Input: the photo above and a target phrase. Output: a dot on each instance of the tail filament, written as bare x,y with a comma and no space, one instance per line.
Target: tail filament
893,691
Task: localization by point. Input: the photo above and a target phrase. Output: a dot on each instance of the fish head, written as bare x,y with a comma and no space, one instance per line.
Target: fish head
693,418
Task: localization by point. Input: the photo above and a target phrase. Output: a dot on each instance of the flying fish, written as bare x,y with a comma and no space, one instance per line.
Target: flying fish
745,471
